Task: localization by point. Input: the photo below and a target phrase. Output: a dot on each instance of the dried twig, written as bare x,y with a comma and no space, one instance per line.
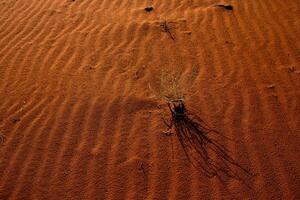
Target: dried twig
165,28
141,168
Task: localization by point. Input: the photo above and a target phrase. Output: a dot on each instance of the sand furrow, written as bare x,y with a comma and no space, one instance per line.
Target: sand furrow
31,153
17,107
22,51
238,146
273,96
280,13
97,181
108,174
14,37
67,151
46,140
138,168
14,128
256,164
7,8
257,127
160,166
54,142
78,171
102,148
89,153
8,109
280,39
282,133
15,162
120,159
10,25
256,75
66,53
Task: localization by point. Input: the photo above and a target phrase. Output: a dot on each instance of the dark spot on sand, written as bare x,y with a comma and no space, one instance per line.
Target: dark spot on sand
15,120
271,86
291,68
149,9
92,67
226,7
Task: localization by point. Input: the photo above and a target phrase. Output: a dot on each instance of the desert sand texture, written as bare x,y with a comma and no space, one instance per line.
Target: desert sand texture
84,87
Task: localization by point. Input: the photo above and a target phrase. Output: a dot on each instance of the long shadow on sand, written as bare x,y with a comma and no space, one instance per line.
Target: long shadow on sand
202,145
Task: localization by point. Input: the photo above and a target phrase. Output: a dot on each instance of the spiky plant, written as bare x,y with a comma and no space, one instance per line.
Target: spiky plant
202,145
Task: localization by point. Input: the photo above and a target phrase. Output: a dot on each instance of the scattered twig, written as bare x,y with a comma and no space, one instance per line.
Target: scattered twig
141,168
165,28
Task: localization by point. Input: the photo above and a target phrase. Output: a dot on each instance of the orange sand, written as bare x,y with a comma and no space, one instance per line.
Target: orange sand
78,118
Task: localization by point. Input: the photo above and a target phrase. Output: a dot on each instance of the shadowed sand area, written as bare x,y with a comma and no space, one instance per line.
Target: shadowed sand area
79,120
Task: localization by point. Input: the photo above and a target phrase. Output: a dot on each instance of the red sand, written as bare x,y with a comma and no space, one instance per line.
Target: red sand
78,118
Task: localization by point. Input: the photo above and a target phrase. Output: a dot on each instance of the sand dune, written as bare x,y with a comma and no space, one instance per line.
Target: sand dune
79,121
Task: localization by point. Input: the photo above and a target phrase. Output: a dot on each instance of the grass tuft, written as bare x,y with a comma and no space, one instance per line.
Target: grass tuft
201,144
